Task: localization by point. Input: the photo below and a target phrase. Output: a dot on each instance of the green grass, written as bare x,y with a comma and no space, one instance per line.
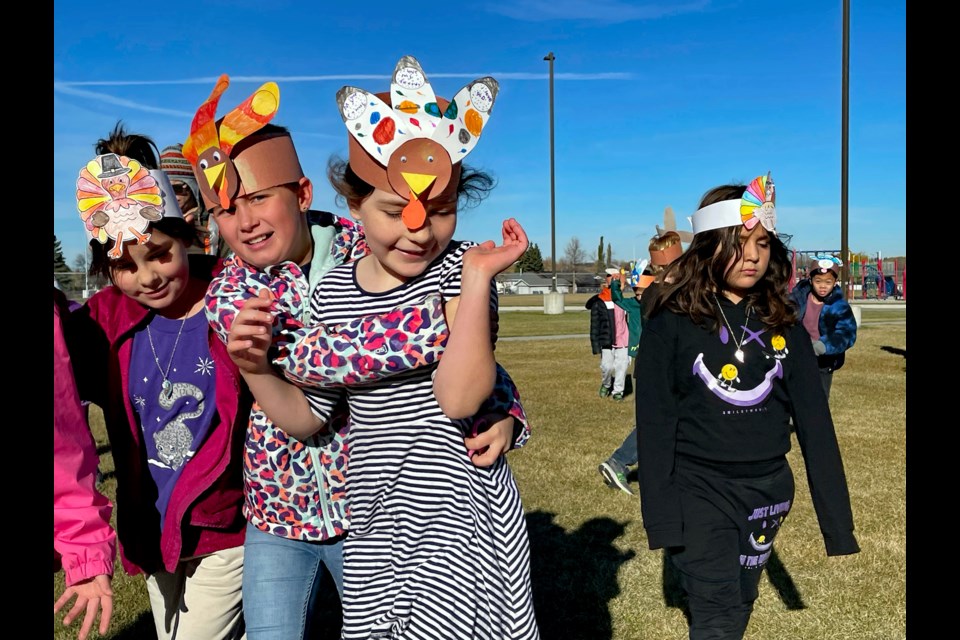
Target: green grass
593,576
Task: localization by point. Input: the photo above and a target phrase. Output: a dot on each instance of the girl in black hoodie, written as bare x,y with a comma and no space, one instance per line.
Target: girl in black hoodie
722,369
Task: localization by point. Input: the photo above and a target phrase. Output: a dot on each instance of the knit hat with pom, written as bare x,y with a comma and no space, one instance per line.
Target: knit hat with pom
178,168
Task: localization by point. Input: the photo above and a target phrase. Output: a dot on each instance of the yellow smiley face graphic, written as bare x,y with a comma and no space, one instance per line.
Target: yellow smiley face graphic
778,342
729,372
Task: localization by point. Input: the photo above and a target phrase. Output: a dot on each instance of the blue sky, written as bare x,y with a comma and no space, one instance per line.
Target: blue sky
655,102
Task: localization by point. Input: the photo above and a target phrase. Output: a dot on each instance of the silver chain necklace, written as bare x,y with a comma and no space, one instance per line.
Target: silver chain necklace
738,354
166,387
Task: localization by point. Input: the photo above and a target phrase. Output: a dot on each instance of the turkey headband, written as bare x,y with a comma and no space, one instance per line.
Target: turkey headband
227,164
118,198
756,206
409,141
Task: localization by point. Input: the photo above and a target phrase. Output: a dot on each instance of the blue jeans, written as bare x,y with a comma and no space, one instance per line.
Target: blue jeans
626,453
281,578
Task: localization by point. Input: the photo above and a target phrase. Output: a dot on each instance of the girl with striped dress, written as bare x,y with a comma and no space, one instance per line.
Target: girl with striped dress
438,545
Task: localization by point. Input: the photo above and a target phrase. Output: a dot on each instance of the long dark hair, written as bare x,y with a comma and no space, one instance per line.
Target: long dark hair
688,285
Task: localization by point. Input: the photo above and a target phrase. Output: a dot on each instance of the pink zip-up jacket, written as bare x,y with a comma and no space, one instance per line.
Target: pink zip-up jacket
84,543
204,513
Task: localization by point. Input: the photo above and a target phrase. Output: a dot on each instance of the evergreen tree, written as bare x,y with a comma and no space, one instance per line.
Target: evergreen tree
599,267
531,260
609,255
59,264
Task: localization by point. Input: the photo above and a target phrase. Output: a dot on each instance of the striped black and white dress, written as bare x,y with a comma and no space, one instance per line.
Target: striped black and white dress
437,548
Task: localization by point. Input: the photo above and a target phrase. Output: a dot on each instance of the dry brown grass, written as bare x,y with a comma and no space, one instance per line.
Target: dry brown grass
594,577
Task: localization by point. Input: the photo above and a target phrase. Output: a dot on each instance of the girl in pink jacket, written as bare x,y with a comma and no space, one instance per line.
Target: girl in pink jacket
84,544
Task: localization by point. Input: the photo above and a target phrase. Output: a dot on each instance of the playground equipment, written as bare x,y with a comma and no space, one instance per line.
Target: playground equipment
870,278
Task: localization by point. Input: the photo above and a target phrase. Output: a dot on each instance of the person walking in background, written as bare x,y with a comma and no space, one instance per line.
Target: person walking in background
609,337
185,187
664,248
84,543
614,468
722,367
826,316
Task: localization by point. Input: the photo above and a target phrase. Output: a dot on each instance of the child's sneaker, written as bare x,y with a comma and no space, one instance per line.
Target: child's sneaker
614,477
618,397
604,391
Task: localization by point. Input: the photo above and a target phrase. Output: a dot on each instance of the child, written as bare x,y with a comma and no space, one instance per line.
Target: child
826,316
175,408
84,543
664,248
187,190
609,335
722,367
296,502
438,546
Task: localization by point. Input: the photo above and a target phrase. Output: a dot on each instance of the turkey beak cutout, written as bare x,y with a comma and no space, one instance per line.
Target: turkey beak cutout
422,169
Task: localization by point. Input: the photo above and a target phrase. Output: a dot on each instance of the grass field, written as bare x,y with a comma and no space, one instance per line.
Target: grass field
593,576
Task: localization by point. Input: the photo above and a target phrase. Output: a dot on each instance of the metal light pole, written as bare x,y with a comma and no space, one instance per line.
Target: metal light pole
553,235
844,152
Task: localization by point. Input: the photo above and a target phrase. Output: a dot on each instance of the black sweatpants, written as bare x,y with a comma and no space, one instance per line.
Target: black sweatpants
731,514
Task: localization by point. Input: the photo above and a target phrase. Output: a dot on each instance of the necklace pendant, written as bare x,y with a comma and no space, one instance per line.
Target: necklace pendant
166,388
738,354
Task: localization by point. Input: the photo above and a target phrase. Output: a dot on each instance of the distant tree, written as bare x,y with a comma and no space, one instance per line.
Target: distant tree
531,260
574,254
59,264
599,267
609,255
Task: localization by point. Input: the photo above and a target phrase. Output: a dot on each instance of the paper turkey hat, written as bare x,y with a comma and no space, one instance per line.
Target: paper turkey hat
409,141
225,161
757,205
118,198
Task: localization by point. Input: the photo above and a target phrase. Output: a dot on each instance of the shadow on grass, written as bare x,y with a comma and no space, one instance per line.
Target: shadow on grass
141,629
781,581
895,350
777,574
574,575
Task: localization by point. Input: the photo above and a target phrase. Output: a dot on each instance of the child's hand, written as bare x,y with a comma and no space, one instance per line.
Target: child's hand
93,595
485,448
488,260
250,334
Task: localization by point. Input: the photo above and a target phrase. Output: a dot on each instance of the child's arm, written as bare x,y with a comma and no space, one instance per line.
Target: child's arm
818,443
412,344
248,342
82,535
630,305
657,415
366,349
466,373
841,328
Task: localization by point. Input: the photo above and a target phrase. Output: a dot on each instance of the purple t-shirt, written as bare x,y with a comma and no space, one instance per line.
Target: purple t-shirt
174,421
